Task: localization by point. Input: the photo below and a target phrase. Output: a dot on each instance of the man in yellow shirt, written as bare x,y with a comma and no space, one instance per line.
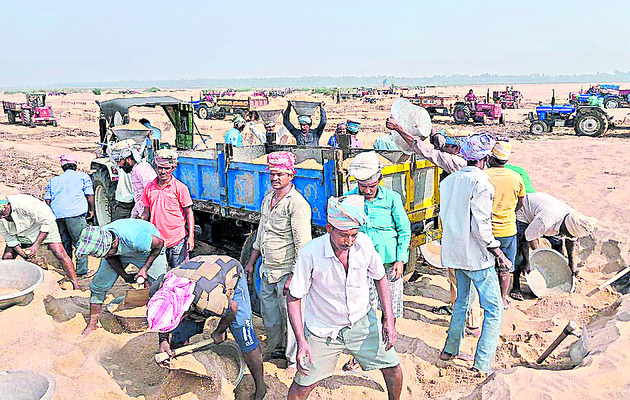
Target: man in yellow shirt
509,192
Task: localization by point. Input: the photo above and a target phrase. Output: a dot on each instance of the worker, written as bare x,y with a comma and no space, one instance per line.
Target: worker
387,225
234,136
127,157
329,306
350,128
285,226
470,97
270,127
509,191
168,206
71,198
118,244
385,142
305,136
155,136
469,247
544,216
27,221
204,287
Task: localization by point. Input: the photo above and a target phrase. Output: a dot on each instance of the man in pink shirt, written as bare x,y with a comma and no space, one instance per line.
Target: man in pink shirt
168,206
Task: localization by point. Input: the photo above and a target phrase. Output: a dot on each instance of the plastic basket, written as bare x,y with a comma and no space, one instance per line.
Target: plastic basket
305,107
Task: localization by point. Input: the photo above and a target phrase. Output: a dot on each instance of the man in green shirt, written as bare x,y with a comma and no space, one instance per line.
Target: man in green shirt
387,225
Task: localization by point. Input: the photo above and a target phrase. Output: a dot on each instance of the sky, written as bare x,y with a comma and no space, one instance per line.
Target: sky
68,41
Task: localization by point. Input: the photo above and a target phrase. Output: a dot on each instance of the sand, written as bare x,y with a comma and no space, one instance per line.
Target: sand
9,291
587,173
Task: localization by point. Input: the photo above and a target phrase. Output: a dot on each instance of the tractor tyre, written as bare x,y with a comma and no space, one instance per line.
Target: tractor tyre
11,116
537,128
27,118
461,114
611,102
591,124
254,287
221,113
502,119
203,112
104,192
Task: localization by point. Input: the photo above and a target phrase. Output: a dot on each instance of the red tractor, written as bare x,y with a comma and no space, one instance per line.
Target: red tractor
479,111
34,111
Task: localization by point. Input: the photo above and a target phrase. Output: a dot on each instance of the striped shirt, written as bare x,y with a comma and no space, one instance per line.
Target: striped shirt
544,215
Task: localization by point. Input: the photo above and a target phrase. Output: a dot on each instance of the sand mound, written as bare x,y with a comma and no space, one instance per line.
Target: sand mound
599,376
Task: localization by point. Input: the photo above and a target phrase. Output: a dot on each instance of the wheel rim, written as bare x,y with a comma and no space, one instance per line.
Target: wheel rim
589,125
612,104
538,129
101,206
203,113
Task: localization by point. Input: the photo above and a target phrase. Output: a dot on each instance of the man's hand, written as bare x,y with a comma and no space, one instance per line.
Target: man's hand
249,271
503,262
397,271
389,334
303,353
391,123
285,290
89,216
31,252
165,348
142,274
190,243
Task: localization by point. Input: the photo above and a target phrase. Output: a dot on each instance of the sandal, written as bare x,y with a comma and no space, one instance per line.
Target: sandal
442,310
474,332
351,365
517,295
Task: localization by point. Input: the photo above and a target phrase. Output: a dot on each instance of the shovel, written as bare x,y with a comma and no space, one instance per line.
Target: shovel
135,298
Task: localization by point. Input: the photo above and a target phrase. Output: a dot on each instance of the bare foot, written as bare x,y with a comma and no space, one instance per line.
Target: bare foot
91,327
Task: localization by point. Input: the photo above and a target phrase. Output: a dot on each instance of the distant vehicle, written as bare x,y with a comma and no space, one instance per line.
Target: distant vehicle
206,107
508,98
584,119
610,96
33,112
435,104
478,111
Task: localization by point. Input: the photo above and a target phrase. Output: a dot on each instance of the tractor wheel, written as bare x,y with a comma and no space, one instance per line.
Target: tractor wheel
11,116
591,124
104,192
221,113
502,119
484,119
461,114
611,102
537,128
27,118
203,112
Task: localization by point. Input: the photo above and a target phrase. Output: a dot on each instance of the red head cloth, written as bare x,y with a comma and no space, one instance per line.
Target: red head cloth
281,161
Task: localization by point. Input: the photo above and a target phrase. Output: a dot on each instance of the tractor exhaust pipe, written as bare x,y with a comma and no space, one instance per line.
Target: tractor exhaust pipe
553,97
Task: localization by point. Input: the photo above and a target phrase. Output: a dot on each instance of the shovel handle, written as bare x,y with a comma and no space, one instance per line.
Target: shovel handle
608,282
161,357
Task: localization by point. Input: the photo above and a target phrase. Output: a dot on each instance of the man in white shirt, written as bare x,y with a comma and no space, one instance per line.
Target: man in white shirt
469,247
333,272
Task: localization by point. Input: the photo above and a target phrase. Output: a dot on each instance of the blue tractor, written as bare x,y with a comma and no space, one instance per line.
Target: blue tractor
585,120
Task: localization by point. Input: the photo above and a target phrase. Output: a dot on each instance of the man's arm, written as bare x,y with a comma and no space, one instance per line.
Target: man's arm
219,335
294,308
525,251
90,201
322,121
116,264
190,222
389,328
146,213
156,247
286,121
32,250
403,240
570,245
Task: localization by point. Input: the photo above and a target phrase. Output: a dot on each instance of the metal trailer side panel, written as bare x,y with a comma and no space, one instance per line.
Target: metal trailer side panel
202,178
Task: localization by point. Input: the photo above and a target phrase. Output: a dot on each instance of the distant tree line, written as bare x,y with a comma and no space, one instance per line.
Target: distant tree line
364,81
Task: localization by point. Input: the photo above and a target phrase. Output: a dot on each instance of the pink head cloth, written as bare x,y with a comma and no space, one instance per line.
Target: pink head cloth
281,161
68,159
168,305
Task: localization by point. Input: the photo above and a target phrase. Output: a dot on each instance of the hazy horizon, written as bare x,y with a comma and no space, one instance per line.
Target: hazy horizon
68,42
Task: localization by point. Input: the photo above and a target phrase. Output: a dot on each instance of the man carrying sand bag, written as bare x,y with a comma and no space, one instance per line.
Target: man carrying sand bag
469,247
204,287
120,243
329,303
25,224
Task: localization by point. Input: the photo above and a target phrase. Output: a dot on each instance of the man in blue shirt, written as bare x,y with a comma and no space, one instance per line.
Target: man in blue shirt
71,198
305,136
235,135
120,243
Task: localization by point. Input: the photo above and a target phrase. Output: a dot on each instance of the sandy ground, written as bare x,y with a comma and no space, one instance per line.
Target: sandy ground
588,173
